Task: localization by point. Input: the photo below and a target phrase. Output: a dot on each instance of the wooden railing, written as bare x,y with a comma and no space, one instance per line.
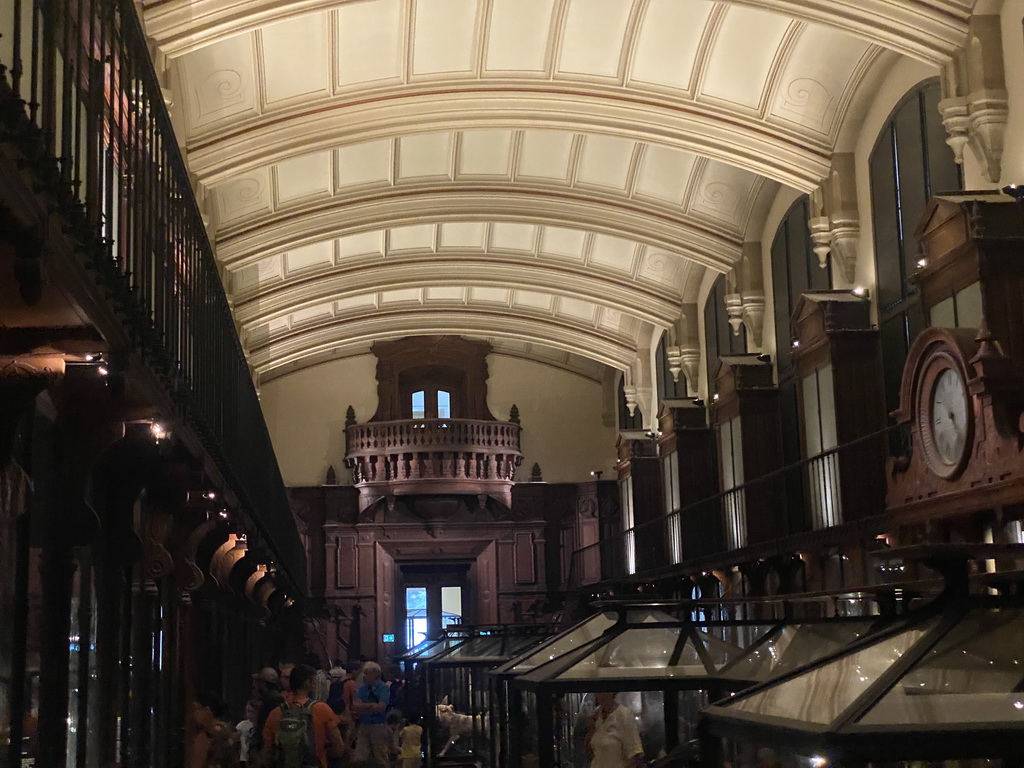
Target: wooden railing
417,455
81,103
795,500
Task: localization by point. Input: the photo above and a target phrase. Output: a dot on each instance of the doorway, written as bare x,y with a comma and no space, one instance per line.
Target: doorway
431,597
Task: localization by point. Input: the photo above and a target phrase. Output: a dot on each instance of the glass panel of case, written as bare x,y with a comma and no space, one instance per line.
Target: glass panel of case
974,674
793,646
645,652
820,694
582,634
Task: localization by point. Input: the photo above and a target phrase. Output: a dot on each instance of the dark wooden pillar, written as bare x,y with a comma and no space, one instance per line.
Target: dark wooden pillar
640,471
685,432
57,570
746,391
834,331
19,387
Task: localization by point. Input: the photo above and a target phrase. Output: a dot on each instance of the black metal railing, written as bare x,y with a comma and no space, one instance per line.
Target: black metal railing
838,486
81,102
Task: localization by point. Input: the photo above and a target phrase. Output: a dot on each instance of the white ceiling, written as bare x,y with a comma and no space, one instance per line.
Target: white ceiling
555,175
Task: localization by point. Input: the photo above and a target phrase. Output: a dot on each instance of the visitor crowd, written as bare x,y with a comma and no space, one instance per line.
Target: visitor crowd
302,716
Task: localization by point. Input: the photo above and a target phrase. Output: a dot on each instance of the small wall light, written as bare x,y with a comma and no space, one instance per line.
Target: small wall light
860,290
922,263
596,473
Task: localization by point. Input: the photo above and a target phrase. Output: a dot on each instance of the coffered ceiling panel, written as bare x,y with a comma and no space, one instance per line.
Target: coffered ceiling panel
518,33
685,186
370,42
649,282
554,175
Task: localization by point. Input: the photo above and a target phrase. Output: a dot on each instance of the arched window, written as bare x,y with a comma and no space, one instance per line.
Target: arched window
719,339
909,163
795,270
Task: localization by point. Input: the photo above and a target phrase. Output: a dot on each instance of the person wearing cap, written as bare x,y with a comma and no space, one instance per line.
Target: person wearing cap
266,689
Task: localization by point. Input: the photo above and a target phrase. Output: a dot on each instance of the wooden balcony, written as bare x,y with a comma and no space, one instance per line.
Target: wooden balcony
415,457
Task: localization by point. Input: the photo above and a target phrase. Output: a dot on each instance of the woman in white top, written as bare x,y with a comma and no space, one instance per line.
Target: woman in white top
613,739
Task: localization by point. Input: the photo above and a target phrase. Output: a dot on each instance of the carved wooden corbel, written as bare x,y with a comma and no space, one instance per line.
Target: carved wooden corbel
683,348
975,106
834,222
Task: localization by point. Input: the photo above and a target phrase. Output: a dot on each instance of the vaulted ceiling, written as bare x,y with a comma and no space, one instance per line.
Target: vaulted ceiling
553,175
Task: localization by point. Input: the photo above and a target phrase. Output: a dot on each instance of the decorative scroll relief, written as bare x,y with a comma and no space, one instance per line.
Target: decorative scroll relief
807,102
220,91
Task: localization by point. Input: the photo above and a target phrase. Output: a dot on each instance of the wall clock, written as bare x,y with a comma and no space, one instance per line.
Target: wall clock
945,413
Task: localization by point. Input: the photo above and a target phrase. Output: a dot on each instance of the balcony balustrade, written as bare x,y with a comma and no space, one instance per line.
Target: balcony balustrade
432,456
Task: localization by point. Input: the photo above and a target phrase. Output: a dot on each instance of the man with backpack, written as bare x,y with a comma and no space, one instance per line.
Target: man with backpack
302,732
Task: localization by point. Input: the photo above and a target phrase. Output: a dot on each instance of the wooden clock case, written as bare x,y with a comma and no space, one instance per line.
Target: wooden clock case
967,239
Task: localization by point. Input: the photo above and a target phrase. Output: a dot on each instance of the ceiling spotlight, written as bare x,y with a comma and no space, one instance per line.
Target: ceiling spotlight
159,433
1016,191
210,495
224,514
102,370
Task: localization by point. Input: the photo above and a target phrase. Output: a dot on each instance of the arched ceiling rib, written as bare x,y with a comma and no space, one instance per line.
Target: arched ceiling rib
379,168
524,350
797,161
284,351
428,207
929,30
463,274
730,83
709,197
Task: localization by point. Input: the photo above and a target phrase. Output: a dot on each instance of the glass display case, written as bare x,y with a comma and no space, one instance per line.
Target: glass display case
662,670
460,709
945,684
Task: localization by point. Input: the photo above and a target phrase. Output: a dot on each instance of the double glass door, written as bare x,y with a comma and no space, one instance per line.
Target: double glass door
434,597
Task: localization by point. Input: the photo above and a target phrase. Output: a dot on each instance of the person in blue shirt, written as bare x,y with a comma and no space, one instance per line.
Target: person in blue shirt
370,703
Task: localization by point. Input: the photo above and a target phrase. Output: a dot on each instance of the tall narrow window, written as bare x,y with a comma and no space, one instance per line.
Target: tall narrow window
444,404
415,615
795,270
734,505
419,405
626,489
820,437
451,606
670,479
909,163
719,339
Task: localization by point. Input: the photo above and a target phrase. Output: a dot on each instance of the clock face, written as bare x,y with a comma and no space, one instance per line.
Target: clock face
949,416
945,415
